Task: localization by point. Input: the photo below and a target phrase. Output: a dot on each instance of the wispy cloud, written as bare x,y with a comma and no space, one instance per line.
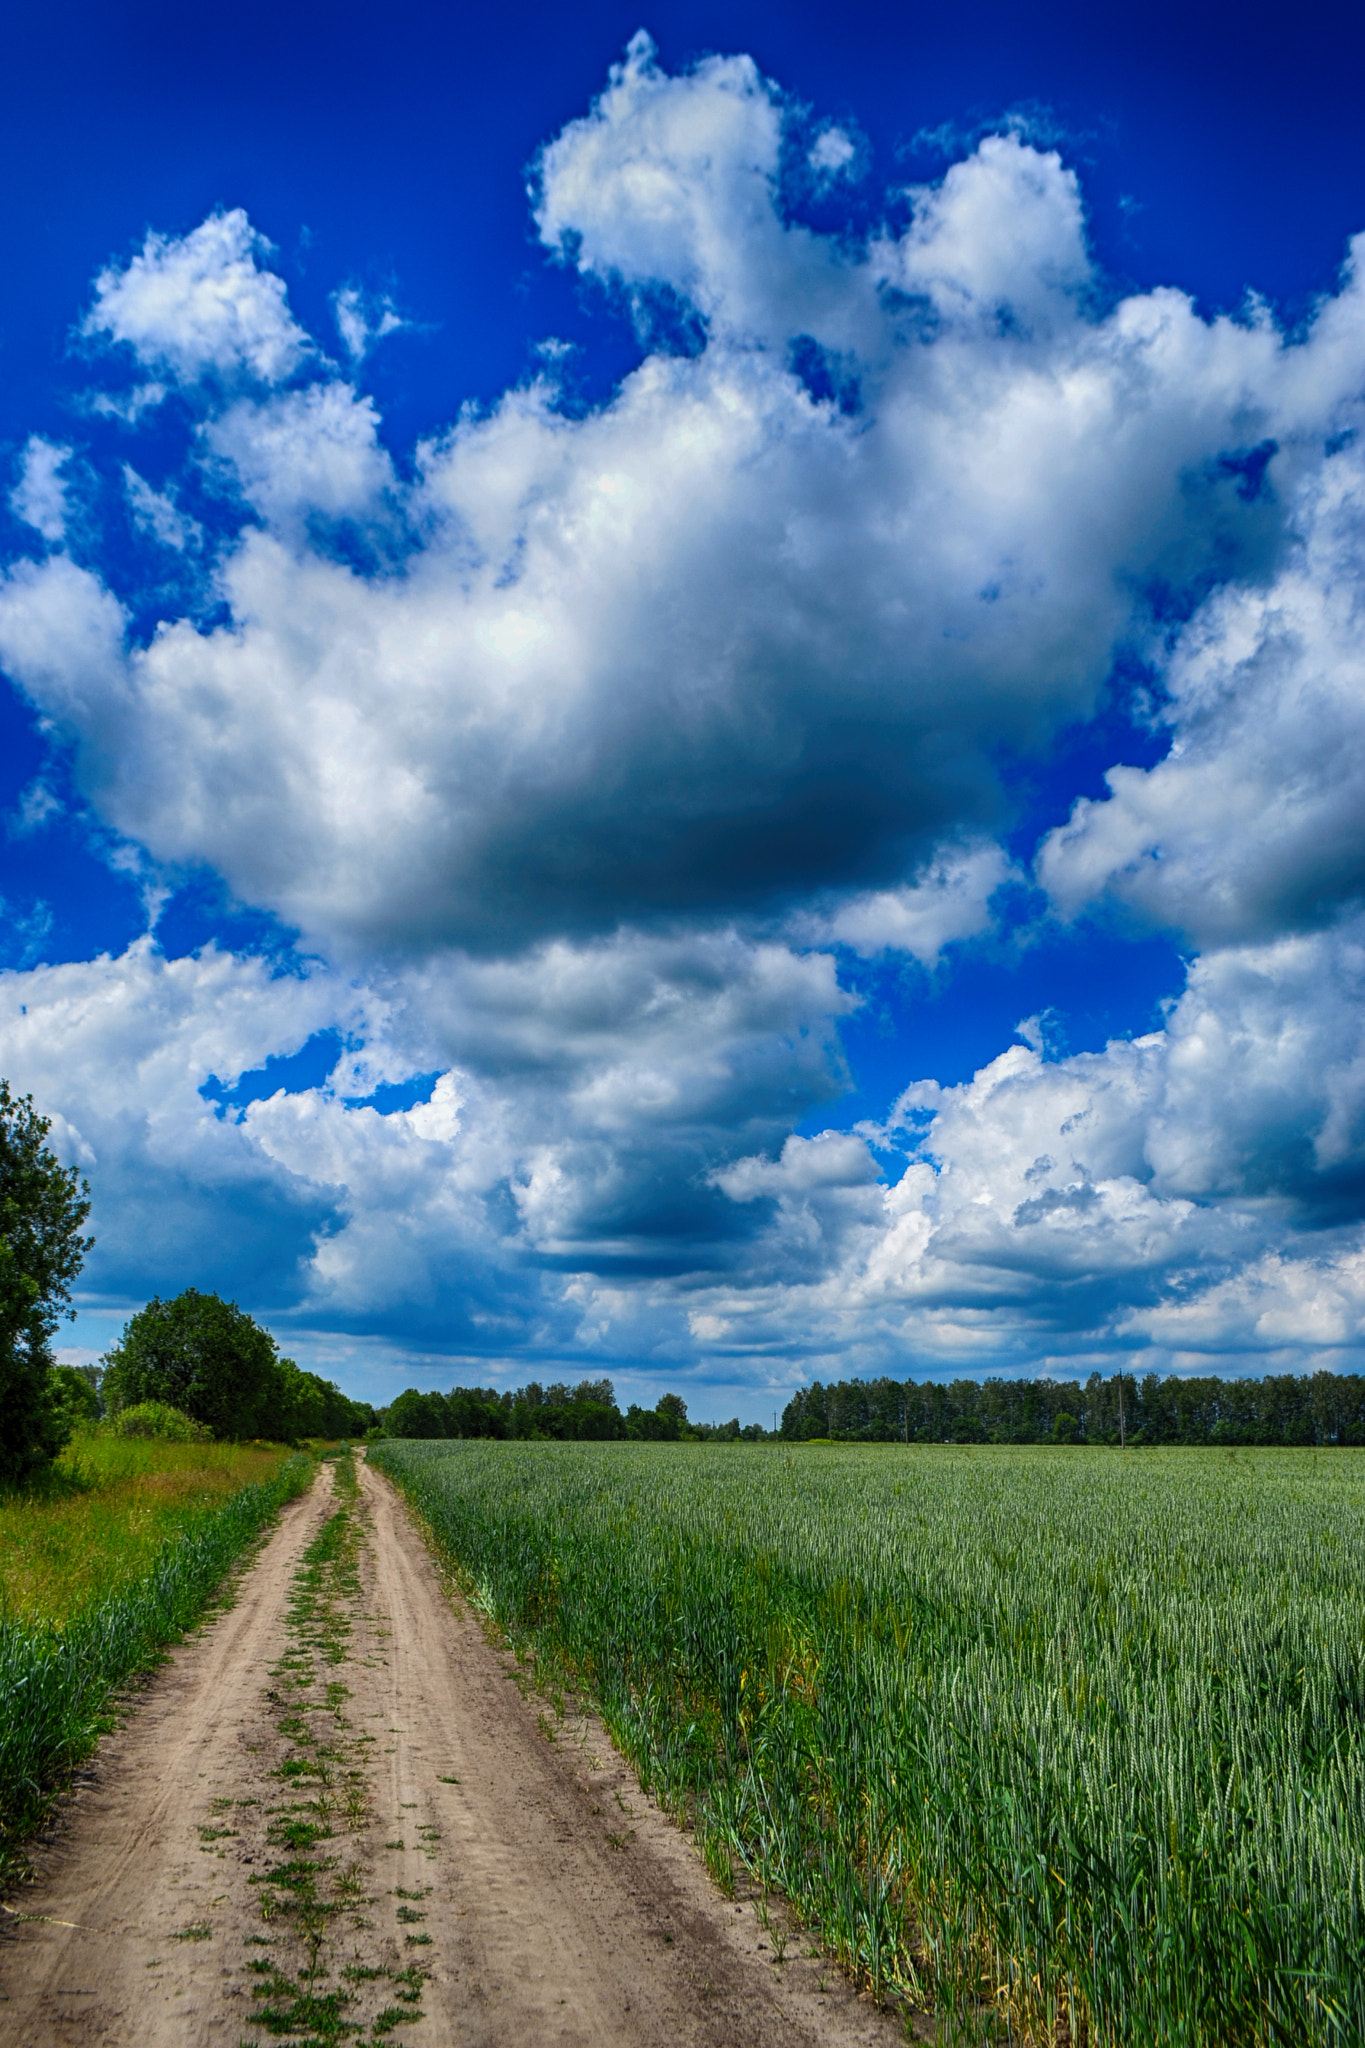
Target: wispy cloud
39,498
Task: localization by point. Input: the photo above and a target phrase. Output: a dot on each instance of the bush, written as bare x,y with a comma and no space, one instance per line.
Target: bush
159,1419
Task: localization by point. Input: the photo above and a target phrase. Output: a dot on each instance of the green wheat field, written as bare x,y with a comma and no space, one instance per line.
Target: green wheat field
1057,1742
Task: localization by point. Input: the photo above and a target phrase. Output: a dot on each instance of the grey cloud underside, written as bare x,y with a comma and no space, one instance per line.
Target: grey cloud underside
574,745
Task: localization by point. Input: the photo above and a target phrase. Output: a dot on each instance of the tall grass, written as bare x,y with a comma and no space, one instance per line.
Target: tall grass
1052,1739
117,1556
103,1514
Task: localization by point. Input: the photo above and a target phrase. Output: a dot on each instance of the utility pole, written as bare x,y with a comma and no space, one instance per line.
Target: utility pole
1123,1440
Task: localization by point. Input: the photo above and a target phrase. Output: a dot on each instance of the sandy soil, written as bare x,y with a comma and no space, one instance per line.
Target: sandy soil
337,1795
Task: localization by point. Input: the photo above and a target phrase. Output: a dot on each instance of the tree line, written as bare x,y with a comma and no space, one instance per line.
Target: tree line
1284,1408
584,1413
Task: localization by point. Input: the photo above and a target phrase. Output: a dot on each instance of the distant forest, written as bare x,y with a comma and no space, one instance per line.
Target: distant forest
1324,1408
585,1413
1318,1408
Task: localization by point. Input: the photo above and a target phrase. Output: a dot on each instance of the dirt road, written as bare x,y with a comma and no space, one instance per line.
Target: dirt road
334,1813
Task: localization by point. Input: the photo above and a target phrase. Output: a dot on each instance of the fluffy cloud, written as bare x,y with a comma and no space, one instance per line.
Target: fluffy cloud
576,1101
604,1166
581,747
306,454
950,901
200,303
116,1050
1286,1309
1251,823
758,626
1178,1193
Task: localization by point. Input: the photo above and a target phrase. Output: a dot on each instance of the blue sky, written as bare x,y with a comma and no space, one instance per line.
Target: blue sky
688,703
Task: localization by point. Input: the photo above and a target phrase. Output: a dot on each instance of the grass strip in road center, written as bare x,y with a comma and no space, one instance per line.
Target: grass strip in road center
1063,1744
58,1677
318,1884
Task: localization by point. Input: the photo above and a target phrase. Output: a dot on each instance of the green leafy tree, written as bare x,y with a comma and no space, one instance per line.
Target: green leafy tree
417,1414
43,1206
664,1423
77,1395
205,1356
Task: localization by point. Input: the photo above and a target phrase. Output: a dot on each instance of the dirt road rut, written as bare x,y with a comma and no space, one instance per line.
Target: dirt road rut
334,1816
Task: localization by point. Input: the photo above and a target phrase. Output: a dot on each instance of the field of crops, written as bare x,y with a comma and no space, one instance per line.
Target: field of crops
114,1557
1052,1740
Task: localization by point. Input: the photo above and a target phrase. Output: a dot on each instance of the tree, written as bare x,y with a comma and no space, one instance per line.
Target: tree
664,1423
417,1414
674,1409
206,1357
43,1205
76,1393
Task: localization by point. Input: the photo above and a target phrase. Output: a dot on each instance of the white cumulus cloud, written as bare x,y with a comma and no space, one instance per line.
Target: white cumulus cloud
190,304
1251,822
584,746
807,630
950,901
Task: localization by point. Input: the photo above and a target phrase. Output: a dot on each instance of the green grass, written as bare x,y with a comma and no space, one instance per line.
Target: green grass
1021,1733
114,1557
103,1515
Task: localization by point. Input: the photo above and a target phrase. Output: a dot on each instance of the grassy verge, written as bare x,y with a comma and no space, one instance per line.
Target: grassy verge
1062,1744
105,1512
120,1553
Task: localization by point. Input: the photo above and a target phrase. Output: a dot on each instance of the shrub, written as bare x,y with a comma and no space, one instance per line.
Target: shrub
159,1419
